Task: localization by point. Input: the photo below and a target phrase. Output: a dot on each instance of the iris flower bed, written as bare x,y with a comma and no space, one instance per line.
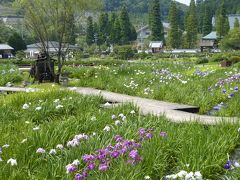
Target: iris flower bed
56,134
181,83
9,74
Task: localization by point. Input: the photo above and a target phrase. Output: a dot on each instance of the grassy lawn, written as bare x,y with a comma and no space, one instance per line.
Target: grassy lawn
147,145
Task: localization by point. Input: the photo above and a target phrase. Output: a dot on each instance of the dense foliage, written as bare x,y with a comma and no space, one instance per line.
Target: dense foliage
60,134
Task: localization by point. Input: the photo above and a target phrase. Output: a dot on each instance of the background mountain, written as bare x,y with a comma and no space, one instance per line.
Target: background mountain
140,6
232,6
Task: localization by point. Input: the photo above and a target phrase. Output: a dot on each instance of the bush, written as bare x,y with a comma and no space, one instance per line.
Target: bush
142,55
219,57
202,60
20,55
234,59
124,52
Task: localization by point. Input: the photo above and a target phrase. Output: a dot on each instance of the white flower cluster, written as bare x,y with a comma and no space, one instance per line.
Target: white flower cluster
131,85
76,140
148,91
187,176
139,72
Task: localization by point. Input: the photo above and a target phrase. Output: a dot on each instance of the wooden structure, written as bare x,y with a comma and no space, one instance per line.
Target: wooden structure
209,41
156,46
5,51
43,69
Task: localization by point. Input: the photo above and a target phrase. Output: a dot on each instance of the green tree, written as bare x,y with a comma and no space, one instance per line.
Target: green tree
98,38
174,35
191,26
90,31
17,42
111,27
236,23
155,22
115,35
207,21
104,26
222,24
200,14
51,18
232,40
125,26
133,35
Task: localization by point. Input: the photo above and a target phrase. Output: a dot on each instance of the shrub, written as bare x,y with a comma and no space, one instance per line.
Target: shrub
202,60
142,55
20,55
219,57
124,52
234,59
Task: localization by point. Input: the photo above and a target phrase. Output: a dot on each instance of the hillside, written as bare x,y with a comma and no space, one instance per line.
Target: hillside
232,6
139,6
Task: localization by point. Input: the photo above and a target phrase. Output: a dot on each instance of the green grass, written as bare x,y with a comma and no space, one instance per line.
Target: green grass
204,148
179,84
9,73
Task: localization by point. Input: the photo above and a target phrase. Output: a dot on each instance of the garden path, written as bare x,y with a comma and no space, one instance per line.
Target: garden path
146,106
157,108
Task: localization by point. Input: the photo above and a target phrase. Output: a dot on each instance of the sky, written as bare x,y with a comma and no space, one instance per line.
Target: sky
184,1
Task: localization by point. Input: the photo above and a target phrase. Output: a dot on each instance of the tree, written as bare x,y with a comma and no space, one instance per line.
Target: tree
133,35
125,26
191,25
155,22
115,35
222,24
200,14
97,35
90,31
236,23
17,42
104,26
232,40
52,18
207,21
174,35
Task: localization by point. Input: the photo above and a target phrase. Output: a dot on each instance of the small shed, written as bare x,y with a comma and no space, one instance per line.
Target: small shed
5,51
156,46
209,41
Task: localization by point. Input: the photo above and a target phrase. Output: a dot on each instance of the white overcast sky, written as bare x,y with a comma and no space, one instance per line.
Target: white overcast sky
184,1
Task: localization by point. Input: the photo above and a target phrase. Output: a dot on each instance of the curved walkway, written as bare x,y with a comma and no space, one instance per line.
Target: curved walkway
172,111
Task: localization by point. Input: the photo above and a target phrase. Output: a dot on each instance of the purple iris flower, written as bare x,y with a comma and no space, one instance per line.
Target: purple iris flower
103,167
79,176
228,165
71,168
216,108
91,166
149,135
163,134
88,158
133,154
224,91
141,131
85,174
236,89
115,154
